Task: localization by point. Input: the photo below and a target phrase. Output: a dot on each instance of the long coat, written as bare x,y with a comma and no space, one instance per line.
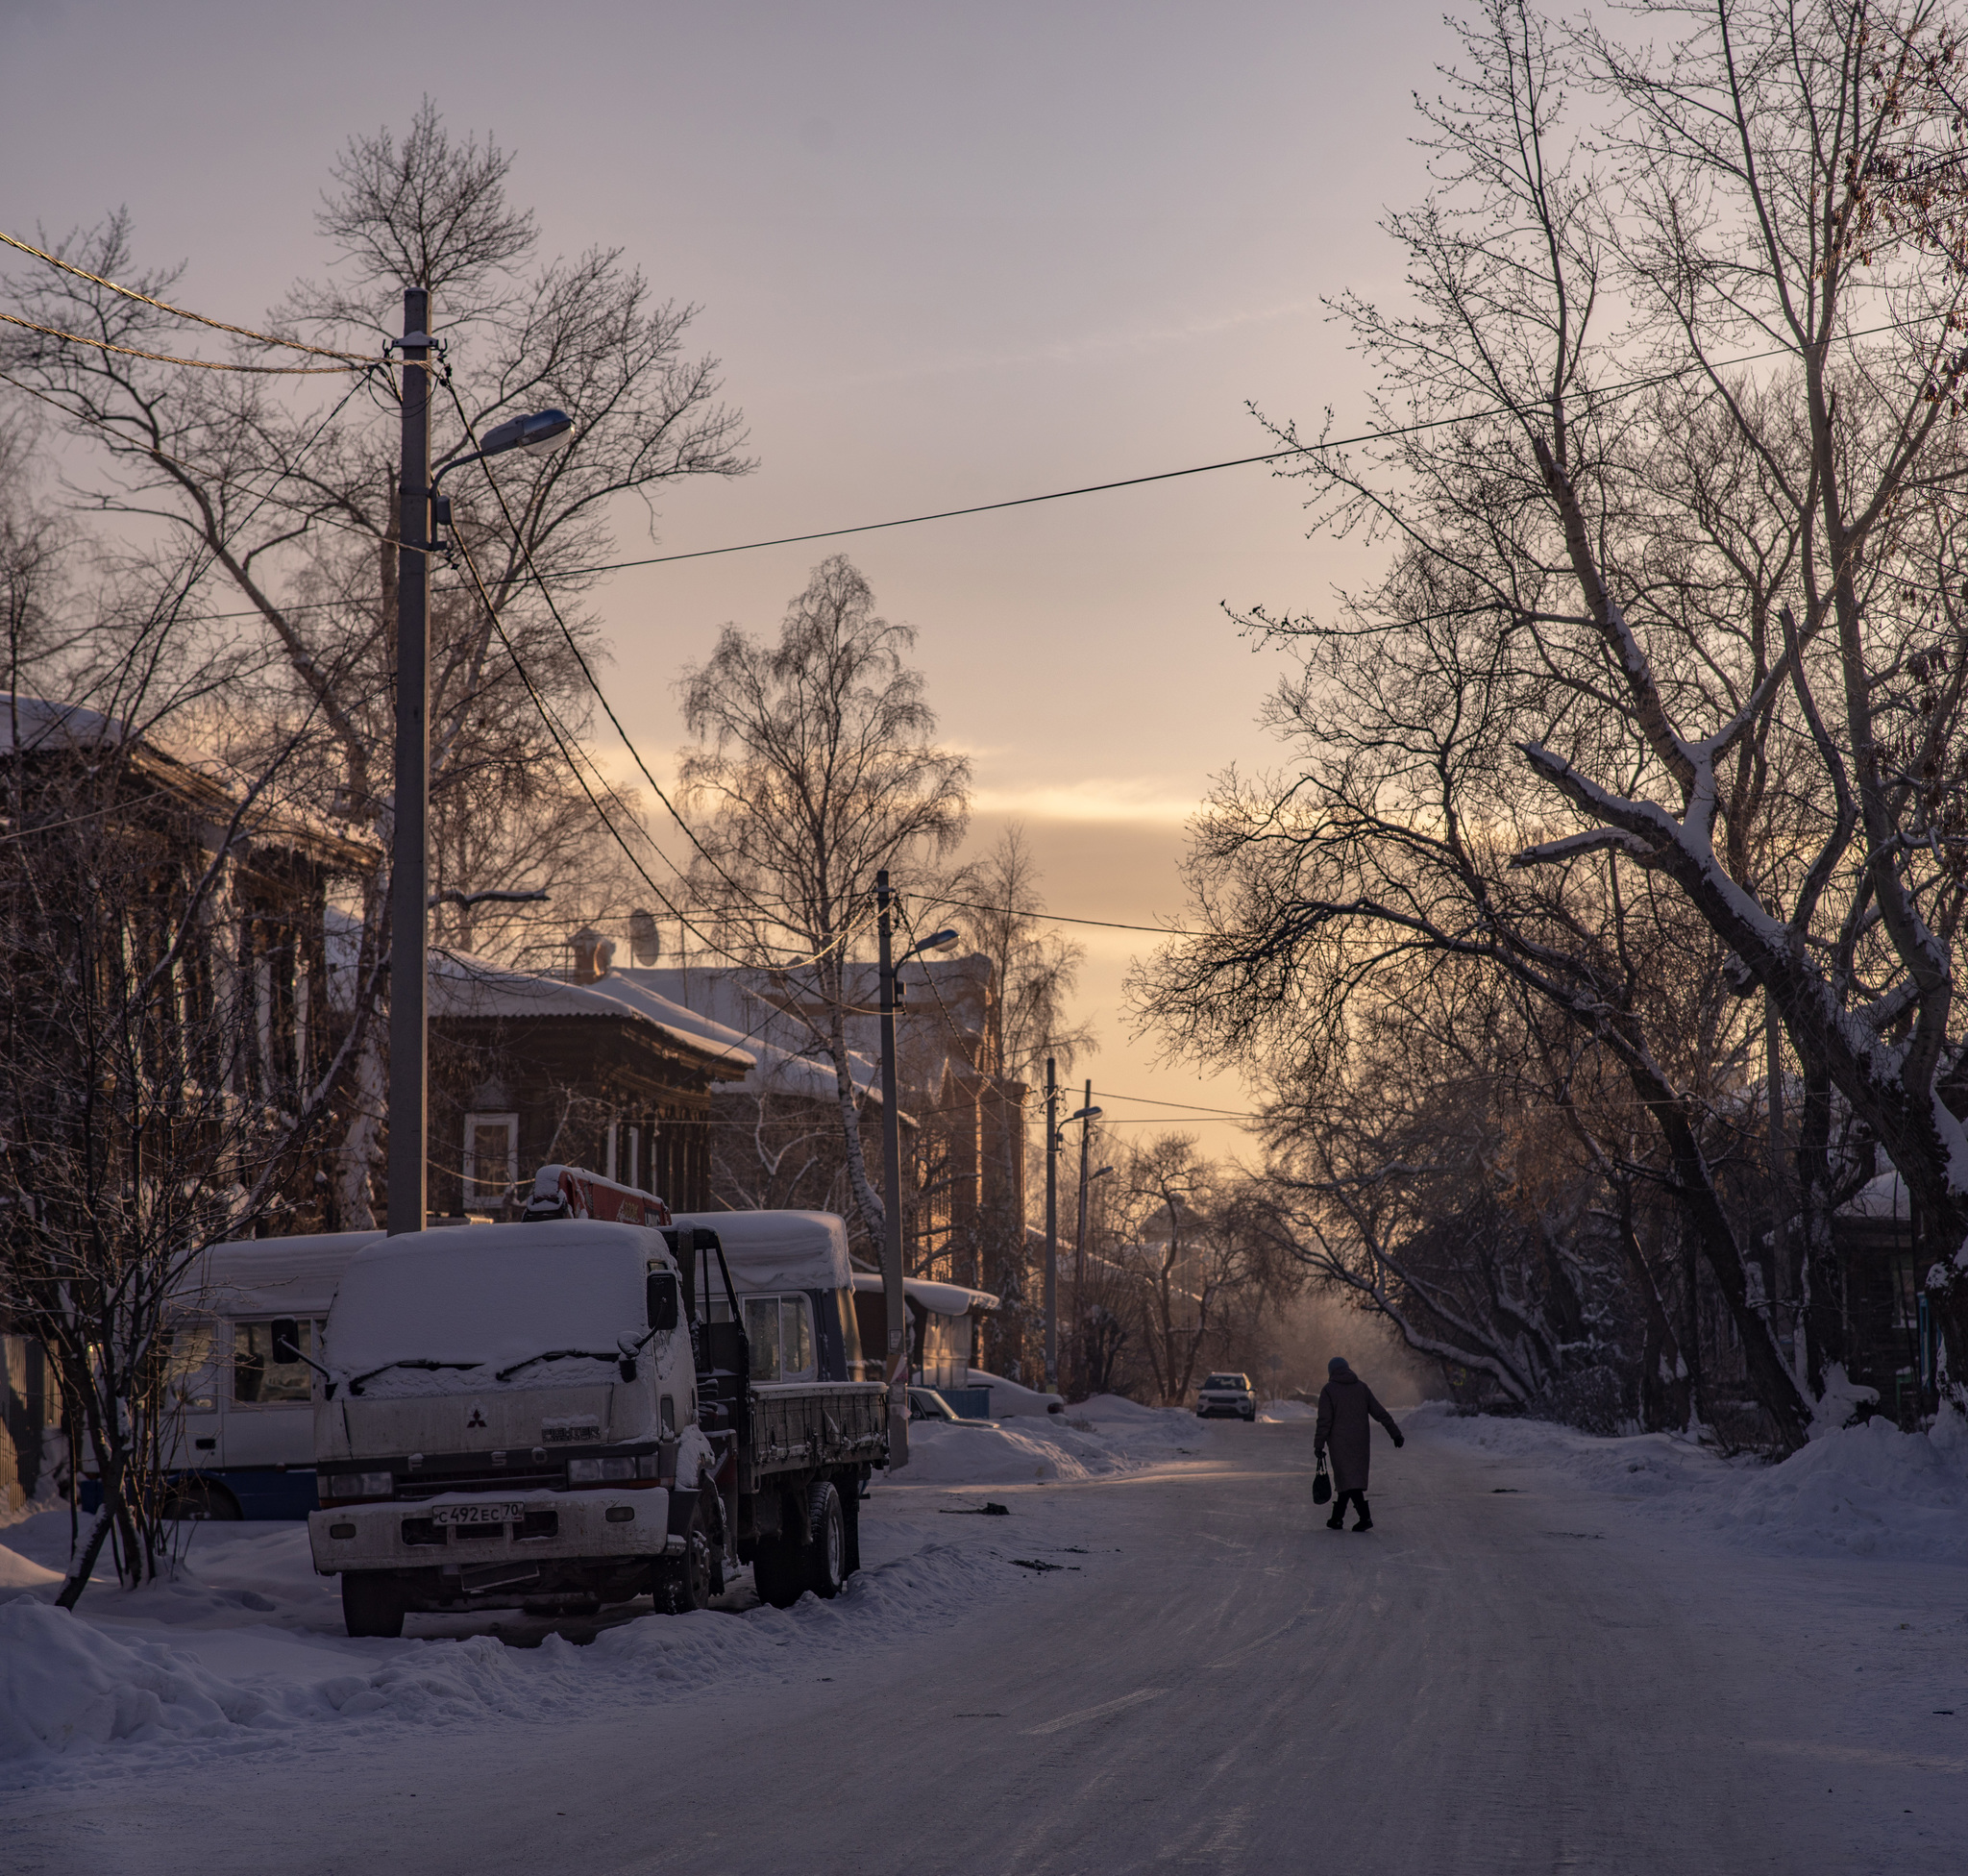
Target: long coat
1344,1403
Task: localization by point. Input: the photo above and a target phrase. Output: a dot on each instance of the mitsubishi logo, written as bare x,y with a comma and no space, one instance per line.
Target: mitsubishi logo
477,1420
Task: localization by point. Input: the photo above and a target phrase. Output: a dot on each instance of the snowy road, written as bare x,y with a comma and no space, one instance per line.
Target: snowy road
1502,1676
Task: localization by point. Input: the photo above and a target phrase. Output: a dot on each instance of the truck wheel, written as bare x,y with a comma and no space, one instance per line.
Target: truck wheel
371,1604
778,1572
201,1499
683,1583
851,1515
827,1556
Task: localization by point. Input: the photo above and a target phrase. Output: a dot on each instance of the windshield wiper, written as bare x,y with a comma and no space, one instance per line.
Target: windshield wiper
356,1386
561,1355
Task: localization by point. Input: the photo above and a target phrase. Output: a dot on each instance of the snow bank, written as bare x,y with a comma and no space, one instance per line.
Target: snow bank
72,1687
1287,1410
17,1572
1100,1436
1866,1491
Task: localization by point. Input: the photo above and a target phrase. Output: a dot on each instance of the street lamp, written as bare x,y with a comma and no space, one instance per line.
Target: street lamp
1079,1247
896,1369
418,506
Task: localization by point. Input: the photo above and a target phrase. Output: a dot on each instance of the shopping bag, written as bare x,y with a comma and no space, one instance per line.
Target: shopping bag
1322,1483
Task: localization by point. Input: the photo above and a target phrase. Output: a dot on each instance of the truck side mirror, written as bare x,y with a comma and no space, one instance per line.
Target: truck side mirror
286,1340
665,1303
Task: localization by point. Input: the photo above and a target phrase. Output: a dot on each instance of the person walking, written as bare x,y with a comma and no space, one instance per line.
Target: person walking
1345,1404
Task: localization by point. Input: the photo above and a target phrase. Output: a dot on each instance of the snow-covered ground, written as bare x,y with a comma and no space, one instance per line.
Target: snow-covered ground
247,1643
1866,1491
1553,1651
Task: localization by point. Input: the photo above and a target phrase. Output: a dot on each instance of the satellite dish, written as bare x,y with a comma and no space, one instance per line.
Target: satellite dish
645,941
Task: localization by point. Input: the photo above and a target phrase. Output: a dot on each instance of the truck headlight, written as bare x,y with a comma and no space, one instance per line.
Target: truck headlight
592,1472
357,1485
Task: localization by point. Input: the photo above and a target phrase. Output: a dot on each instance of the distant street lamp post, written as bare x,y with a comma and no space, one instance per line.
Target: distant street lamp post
1087,1115
409,867
896,1369
1079,1246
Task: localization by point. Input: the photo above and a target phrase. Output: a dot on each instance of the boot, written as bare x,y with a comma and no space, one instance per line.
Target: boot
1366,1518
1337,1521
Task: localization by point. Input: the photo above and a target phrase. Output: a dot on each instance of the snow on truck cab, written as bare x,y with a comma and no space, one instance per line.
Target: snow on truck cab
569,1411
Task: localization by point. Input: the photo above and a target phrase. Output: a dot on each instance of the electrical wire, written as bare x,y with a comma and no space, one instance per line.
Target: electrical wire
553,731
1391,433
177,312
595,684
195,364
560,743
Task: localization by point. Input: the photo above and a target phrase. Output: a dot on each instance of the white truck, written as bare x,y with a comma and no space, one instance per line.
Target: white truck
567,1412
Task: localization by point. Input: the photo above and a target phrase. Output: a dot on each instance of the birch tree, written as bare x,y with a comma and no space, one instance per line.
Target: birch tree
814,770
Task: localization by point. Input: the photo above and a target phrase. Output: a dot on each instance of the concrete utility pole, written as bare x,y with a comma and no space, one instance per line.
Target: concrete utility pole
409,862
897,1368
1052,1226
1086,1117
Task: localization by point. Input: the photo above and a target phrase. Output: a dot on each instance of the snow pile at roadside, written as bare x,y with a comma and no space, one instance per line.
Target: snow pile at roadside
1287,1409
71,1685
1865,1491
1092,1440
17,1572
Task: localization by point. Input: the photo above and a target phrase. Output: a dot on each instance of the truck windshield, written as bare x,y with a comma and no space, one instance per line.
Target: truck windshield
490,1296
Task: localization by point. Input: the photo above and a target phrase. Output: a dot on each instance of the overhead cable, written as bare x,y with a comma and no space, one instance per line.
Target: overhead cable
177,312
195,364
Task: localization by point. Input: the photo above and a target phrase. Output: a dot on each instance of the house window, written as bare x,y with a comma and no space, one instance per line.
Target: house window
491,1157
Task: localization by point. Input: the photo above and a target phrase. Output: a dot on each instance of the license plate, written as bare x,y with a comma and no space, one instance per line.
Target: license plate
477,1513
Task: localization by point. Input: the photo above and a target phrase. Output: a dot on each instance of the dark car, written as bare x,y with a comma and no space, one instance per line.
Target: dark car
927,1404
1224,1395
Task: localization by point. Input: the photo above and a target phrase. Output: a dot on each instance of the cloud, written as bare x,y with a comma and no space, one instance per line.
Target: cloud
1095,799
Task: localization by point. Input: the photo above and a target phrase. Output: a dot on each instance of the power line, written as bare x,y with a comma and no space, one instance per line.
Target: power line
177,312
1149,1101
195,364
1391,433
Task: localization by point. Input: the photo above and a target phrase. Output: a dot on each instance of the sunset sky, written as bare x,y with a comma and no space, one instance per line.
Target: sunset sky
948,254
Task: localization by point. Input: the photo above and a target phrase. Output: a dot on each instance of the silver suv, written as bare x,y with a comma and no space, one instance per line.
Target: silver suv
1226,1393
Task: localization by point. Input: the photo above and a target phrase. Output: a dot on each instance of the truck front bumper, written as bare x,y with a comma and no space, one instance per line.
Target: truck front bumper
600,1526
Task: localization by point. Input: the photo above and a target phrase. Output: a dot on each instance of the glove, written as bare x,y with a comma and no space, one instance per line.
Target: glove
1318,1452
1398,1441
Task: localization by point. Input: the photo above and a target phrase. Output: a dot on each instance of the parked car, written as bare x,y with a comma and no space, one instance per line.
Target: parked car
927,1404
1226,1393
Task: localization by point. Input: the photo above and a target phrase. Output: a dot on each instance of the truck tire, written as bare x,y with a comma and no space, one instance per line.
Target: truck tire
778,1572
371,1604
683,1584
827,1556
851,1513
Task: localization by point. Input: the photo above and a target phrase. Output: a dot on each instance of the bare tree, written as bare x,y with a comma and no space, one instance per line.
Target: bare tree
814,770
1035,971
286,506
1667,615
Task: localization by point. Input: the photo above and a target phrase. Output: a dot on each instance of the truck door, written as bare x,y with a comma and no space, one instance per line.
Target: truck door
269,1409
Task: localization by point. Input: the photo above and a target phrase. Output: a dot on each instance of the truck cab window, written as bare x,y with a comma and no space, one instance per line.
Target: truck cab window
762,1332
780,1332
795,1340
261,1381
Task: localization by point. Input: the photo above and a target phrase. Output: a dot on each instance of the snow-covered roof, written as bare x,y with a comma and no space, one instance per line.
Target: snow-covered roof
273,1276
466,987
1885,1198
195,776
779,1250
938,1298
728,1005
